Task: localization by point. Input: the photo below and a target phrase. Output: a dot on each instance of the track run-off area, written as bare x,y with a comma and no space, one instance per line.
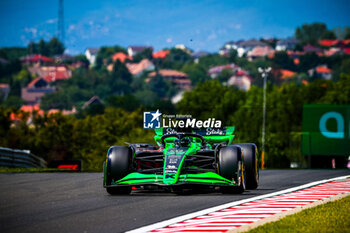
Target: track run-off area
77,202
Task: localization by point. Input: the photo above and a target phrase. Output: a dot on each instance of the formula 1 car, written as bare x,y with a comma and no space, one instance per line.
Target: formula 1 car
182,160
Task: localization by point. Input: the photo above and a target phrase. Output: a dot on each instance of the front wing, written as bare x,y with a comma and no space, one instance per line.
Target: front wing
207,178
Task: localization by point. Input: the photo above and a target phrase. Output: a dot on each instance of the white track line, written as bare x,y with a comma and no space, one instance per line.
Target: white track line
228,205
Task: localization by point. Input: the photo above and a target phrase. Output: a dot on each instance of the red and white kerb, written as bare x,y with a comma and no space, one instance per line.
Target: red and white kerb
240,215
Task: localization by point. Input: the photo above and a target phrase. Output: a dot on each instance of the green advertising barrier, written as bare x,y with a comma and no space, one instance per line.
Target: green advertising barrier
326,130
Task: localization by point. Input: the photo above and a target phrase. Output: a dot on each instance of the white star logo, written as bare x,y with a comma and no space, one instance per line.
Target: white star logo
155,115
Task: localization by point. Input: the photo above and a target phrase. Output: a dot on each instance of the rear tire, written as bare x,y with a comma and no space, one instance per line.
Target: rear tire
250,158
118,166
231,167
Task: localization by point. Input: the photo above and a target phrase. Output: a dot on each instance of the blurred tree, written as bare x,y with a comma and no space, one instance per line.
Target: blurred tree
24,77
176,59
120,71
53,140
281,60
33,48
196,73
139,82
248,117
271,42
347,33
312,33
106,53
159,86
212,60
9,69
51,48
329,35
145,54
43,48
308,61
5,124
120,79
211,99
94,109
13,102
345,66
340,91
127,102
232,56
342,33
225,75
55,47
13,53
19,80
164,106
81,58
146,97
56,100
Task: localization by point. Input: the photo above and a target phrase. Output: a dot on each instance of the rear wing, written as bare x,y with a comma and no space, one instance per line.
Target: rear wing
211,135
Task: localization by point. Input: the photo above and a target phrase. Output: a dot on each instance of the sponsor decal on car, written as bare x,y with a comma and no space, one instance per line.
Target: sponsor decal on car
173,160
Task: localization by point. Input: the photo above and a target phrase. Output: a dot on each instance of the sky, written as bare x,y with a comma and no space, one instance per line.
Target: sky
202,25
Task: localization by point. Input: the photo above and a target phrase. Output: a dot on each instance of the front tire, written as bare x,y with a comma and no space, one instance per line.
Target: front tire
118,166
250,157
231,167
118,190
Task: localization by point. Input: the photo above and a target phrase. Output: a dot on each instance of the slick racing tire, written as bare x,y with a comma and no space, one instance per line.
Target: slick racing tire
118,166
231,167
250,158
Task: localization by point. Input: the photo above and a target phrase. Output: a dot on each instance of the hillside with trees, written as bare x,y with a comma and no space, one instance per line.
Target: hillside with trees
88,133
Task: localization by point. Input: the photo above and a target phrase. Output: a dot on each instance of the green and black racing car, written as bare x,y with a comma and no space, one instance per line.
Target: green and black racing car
190,159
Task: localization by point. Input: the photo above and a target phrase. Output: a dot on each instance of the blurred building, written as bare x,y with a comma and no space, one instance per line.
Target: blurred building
260,51
3,61
240,79
91,54
133,50
122,57
215,71
334,43
36,59
177,78
312,49
242,47
197,55
321,71
184,48
35,90
285,74
51,73
26,113
4,91
161,54
287,44
94,100
137,69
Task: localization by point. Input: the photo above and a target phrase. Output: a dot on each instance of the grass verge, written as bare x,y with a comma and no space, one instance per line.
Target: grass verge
330,217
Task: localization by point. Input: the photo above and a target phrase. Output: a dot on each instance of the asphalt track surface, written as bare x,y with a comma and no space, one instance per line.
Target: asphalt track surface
67,202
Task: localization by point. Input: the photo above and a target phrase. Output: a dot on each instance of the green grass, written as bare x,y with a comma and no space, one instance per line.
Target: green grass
330,217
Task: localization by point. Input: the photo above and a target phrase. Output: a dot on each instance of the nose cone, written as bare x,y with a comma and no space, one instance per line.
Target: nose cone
174,158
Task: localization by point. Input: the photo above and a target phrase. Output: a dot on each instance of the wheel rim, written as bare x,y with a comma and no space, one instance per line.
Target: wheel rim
240,175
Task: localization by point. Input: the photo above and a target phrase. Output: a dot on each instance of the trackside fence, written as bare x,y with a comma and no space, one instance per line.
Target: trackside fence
20,158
